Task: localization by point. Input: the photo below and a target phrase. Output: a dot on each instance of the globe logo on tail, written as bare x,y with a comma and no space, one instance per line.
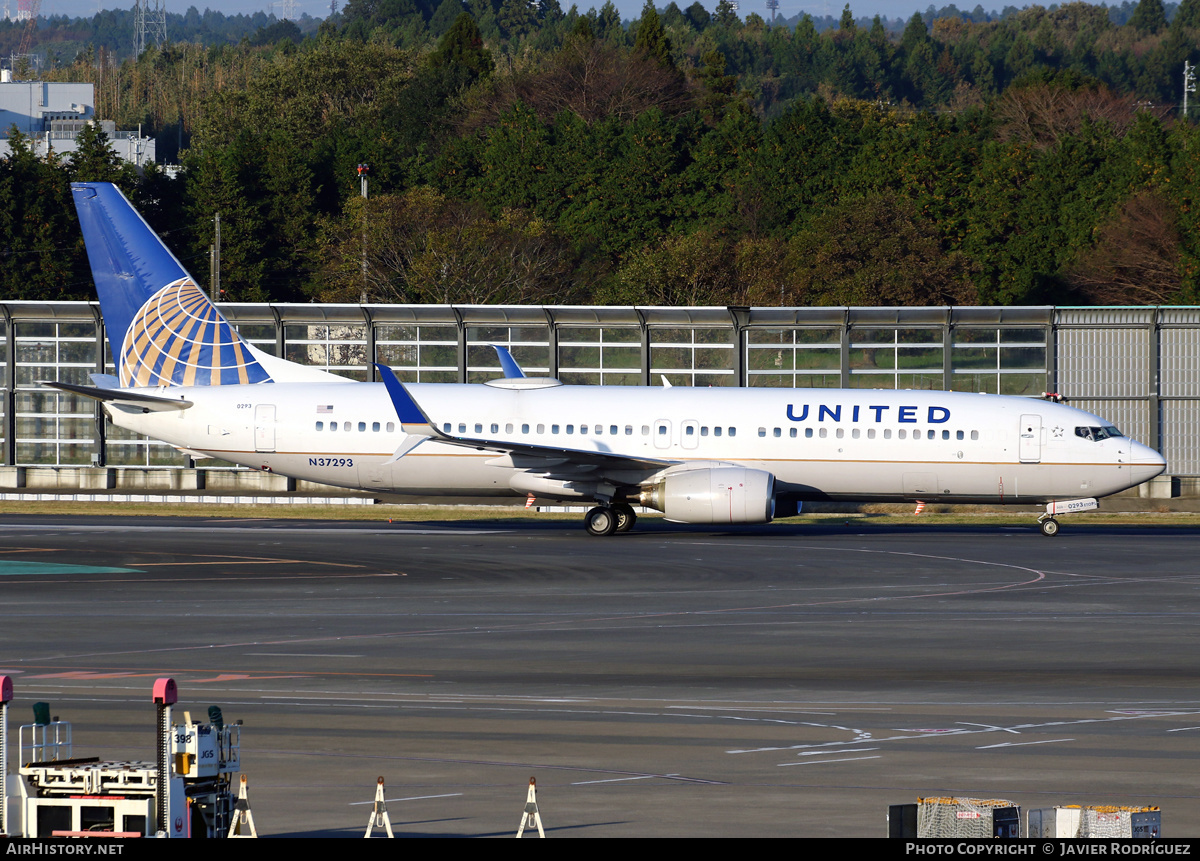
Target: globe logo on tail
179,339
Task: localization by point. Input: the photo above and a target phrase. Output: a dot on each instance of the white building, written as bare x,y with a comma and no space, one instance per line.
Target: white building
52,114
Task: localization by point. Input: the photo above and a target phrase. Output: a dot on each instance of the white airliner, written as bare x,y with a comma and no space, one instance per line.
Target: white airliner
715,455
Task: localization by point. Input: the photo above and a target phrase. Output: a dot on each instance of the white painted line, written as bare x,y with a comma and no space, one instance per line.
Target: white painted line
410,798
622,779
295,655
823,761
989,726
1023,743
826,753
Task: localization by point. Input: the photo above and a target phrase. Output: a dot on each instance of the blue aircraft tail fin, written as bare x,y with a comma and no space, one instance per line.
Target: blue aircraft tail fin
163,329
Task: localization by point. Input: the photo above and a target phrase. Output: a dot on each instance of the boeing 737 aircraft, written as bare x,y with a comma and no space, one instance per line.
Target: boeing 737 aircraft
716,455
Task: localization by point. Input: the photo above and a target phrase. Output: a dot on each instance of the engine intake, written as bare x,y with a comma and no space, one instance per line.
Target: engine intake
727,494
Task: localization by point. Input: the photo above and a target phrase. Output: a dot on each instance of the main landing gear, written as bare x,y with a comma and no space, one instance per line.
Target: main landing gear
607,519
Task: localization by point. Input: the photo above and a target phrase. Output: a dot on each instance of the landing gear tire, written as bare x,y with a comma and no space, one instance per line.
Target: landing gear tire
1049,527
601,520
626,516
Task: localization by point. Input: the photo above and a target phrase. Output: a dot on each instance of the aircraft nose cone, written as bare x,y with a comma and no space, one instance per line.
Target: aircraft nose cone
1145,462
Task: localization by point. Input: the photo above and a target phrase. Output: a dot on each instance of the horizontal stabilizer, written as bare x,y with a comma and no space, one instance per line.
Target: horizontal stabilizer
146,403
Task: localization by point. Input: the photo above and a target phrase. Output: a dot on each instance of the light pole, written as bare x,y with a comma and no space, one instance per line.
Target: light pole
1189,84
363,170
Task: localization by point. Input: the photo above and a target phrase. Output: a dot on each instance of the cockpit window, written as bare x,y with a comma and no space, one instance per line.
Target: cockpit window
1095,434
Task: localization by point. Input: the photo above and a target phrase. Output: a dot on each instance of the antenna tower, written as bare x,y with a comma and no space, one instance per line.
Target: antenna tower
149,25
289,10
773,5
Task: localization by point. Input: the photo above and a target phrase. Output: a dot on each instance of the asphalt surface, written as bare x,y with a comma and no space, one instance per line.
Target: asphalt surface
774,681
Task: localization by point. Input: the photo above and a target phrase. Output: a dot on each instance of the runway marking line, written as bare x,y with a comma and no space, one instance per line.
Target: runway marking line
410,798
826,761
80,673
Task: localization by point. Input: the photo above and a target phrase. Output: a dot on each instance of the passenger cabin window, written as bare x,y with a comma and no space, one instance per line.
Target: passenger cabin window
320,426
478,427
374,427
362,427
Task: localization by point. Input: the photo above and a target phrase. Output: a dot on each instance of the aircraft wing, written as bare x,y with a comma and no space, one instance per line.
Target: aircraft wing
117,397
418,426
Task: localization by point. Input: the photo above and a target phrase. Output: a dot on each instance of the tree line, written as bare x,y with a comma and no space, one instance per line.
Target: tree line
532,155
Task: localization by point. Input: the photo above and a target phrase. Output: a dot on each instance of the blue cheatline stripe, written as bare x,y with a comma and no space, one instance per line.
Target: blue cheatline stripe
15,569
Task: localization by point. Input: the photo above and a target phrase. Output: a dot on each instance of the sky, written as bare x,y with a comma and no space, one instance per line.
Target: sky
629,8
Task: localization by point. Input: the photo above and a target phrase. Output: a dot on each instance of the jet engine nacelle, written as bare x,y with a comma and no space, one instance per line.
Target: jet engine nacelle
726,494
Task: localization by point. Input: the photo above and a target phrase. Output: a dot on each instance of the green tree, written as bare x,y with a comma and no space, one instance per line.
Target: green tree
94,161
461,49
725,15
1149,17
1188,15
516,18
652,38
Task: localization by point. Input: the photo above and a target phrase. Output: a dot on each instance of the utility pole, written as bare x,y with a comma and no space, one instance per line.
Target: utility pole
363,170
214,261
1189,84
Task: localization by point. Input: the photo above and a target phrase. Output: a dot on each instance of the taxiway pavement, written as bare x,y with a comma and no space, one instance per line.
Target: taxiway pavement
676,681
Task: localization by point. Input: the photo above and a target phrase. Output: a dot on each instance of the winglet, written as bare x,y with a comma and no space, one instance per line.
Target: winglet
512,371
412,418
